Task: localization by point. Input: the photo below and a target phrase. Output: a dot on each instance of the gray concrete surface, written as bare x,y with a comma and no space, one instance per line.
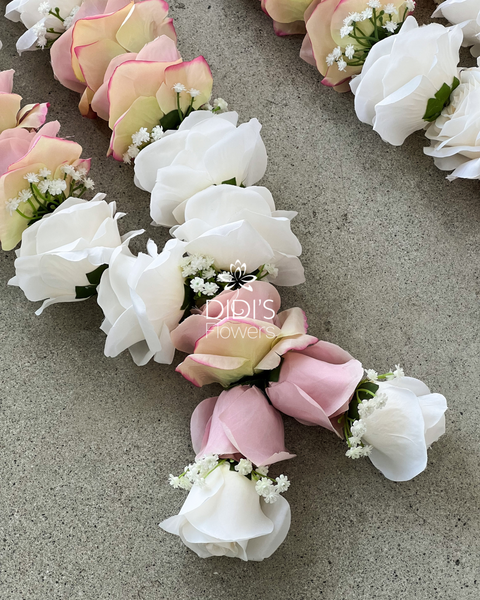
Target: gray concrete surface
391,257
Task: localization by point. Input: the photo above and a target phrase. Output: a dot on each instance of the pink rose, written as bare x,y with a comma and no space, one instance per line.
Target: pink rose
287,15
239,423
316,385
18,126
262,304
103,31
225,349
15,143
340,35
30,116
140,91
43,154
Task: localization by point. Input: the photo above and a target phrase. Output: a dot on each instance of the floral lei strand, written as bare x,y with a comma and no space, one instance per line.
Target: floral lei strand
439,96
229,246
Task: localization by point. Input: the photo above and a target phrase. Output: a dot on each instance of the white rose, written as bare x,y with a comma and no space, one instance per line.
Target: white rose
401,74
466,13
141,297
207,149
34,14
226,517
455,135
402,431
230,223
60,251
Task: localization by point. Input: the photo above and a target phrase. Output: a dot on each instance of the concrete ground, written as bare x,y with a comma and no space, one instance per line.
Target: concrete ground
391,259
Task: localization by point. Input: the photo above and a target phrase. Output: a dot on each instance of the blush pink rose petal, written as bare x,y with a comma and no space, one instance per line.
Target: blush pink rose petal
163,50
288,15
30,116
104,32
44,153
239,423
315,385
6,81
141,93
61,50
15,143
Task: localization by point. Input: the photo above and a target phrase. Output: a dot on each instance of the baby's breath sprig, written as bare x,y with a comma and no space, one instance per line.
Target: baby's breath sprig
203,281
196,473
364,29
44,40
172,120
45,194
140,140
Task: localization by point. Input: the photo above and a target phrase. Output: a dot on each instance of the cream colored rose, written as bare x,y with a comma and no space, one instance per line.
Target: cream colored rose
227,517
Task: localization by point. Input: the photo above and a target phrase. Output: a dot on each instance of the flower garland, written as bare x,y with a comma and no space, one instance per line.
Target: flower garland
209,292
374,53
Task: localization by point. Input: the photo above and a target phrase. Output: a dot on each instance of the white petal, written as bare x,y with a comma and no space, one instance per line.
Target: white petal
409,383
433,408
241,154
156,156
279,513
396,433
232,242
220,204
174,185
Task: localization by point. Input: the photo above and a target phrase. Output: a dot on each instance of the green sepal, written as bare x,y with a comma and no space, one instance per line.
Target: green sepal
275,373
188,297
366,385
95,276
260,380
359,395
188,301
171,120
86,291
440,101
231,181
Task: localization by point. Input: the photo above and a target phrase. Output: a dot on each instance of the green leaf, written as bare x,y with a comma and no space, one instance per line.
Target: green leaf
275,373
171,120
85,291
95,276
362,395
366,385
189,297
231,181
259,379
442,98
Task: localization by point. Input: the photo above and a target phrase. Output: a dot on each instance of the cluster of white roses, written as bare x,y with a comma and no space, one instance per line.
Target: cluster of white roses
411,81
213,221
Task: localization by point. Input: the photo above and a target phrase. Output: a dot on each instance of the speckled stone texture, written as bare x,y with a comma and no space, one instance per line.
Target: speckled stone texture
391,259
